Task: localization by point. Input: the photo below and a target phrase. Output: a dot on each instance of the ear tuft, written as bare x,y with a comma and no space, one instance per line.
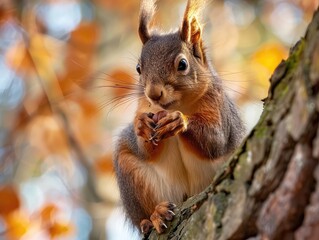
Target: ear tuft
191,31
146,14
191,28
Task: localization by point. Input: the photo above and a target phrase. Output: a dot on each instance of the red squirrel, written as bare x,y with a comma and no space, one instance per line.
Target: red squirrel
185,125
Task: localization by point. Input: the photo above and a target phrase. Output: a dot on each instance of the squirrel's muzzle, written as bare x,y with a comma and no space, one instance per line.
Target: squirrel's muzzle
154,92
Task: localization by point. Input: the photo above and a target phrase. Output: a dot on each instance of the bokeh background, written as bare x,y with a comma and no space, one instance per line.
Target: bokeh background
60,109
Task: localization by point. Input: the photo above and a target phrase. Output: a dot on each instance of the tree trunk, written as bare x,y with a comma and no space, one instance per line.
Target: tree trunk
269,189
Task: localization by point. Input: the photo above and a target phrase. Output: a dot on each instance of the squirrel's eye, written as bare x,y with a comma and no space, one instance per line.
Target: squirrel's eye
138,68
182,65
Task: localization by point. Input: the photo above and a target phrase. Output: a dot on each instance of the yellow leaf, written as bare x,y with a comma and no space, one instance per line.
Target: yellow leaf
43,50
18,225
270,55
265,60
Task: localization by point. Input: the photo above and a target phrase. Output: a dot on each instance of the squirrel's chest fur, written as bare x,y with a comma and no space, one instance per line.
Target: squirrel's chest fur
176,172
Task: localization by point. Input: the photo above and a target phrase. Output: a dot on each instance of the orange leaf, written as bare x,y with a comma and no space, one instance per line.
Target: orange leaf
6,11
41,53
104,164
19,58
49,138
79,57
85,35
88,106
47,213
9,200
58,229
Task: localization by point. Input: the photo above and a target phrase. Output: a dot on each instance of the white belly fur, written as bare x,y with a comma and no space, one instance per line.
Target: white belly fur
177,172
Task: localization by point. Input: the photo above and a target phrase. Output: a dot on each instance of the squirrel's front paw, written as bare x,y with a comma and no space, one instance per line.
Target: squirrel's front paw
168,124
144,126
163,213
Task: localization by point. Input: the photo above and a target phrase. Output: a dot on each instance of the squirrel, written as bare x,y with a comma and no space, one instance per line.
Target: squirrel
184,128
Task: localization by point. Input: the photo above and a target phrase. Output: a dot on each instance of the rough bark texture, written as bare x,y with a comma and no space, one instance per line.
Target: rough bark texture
269,189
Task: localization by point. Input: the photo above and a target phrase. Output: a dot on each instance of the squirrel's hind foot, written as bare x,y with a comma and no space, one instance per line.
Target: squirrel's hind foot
163,212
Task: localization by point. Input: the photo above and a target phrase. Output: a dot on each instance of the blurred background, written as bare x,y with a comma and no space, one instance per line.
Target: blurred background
60,111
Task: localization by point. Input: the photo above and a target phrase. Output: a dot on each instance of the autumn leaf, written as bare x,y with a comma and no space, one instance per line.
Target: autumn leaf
44,50
6,11
53,226
85,35
49,137
79,57
40,52
9,200
47,213
18,224
269,55
58,229
104,164
18,58
265,60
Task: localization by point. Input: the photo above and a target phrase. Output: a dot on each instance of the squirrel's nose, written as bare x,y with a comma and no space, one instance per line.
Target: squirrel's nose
156,96
154,92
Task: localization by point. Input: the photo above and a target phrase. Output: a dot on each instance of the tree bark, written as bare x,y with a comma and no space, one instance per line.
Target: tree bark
269,189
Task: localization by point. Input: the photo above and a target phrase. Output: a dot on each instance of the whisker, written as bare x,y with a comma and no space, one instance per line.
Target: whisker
198,89
122,102
126,87
115,101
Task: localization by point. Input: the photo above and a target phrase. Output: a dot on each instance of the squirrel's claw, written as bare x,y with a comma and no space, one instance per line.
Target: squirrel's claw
144,125
163,212
154,139
146,226
170,125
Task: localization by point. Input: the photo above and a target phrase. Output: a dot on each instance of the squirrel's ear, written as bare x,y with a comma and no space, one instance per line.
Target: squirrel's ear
191,31
146,15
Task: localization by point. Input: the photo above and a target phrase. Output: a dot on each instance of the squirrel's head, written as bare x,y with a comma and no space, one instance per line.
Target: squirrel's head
173,68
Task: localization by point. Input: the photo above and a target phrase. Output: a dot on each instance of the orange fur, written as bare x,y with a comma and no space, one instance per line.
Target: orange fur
132,166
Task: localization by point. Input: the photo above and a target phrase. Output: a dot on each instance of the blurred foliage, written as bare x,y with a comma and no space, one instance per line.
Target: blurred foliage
60,105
